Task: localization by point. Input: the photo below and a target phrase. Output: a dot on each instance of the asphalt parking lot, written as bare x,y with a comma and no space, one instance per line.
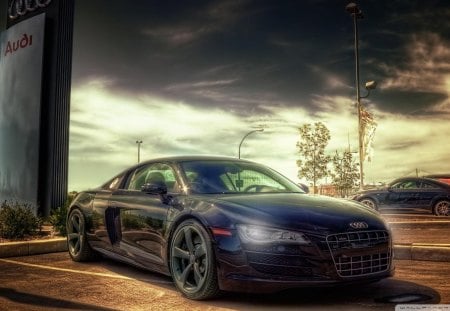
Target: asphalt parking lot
54,282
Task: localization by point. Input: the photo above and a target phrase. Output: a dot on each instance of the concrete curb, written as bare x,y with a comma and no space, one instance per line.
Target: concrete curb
25,248
422,252
436,224
415,251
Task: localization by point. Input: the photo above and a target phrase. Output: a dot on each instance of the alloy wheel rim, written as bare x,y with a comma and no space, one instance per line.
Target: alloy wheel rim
189,259
368,203
442,208
75,234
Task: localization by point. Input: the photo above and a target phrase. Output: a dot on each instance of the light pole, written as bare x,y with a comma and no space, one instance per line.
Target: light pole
139,142
245,136
356,14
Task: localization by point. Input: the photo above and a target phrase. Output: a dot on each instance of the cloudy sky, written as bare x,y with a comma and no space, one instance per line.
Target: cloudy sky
193,77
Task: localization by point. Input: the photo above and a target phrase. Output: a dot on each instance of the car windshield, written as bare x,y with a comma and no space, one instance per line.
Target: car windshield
217,176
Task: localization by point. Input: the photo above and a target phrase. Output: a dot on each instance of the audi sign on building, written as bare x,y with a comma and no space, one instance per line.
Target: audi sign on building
34,116
21,58
18,8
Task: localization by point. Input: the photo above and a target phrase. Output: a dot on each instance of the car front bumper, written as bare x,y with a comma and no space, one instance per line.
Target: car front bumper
347,258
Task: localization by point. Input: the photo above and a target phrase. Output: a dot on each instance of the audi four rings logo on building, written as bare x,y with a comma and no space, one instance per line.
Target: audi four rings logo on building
21,7
359,225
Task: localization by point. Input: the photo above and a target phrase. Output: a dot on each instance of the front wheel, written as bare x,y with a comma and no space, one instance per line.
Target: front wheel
441,208
192,262
370,203
78,246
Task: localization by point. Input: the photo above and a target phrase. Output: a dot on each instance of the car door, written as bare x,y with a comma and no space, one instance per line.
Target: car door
99,218
427,192
403,194
138,218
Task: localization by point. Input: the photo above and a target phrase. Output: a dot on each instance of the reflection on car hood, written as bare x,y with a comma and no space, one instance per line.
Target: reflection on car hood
297,211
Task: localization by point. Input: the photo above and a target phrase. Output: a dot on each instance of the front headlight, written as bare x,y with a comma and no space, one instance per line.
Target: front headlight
257,234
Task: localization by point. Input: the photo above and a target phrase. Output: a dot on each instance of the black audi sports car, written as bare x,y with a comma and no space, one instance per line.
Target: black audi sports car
218,223
410,193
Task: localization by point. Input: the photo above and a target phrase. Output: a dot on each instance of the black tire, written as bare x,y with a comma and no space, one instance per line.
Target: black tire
192,261
441,208
370,203
79,249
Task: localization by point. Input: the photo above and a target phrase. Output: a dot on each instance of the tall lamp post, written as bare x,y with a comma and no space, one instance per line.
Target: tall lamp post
139,142
356,14
245,136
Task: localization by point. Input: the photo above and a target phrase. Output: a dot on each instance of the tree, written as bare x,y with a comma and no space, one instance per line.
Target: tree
345,175
311,147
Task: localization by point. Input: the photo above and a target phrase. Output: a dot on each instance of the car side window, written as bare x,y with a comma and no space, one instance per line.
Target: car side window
113,184
398,185
153,173
137,179
412,185
426,185
407,184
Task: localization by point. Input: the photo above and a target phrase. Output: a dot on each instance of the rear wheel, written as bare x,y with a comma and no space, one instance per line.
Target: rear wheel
78,246
370,203
192,262
441,208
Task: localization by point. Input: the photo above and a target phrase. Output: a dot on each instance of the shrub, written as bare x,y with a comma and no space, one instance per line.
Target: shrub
58,218
18,220
58,215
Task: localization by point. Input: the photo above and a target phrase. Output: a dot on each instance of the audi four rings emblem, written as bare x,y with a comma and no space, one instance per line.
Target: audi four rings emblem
21,7
359,225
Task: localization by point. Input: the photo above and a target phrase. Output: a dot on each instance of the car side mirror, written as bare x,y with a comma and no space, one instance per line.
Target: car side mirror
154,188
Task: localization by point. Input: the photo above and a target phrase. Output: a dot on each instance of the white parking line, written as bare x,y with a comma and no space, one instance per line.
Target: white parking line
114,276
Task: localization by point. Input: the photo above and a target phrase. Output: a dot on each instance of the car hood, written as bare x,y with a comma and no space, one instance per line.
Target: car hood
298,211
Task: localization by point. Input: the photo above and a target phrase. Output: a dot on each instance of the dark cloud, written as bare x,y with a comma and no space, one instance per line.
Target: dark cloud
237,53
408,103
263,45
281,63
267,48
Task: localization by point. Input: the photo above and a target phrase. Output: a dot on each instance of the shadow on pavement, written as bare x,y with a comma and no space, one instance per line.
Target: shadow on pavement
45,302
136,273
381,295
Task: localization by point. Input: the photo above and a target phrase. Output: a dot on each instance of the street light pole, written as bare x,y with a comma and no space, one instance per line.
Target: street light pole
245,136
356,13
139,142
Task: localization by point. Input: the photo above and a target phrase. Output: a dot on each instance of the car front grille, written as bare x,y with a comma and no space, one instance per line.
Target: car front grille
282,260
360,253
283,270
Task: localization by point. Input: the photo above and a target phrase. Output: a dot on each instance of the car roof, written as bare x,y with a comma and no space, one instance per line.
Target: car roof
177,159
445,178
437,176
186,158
425,179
